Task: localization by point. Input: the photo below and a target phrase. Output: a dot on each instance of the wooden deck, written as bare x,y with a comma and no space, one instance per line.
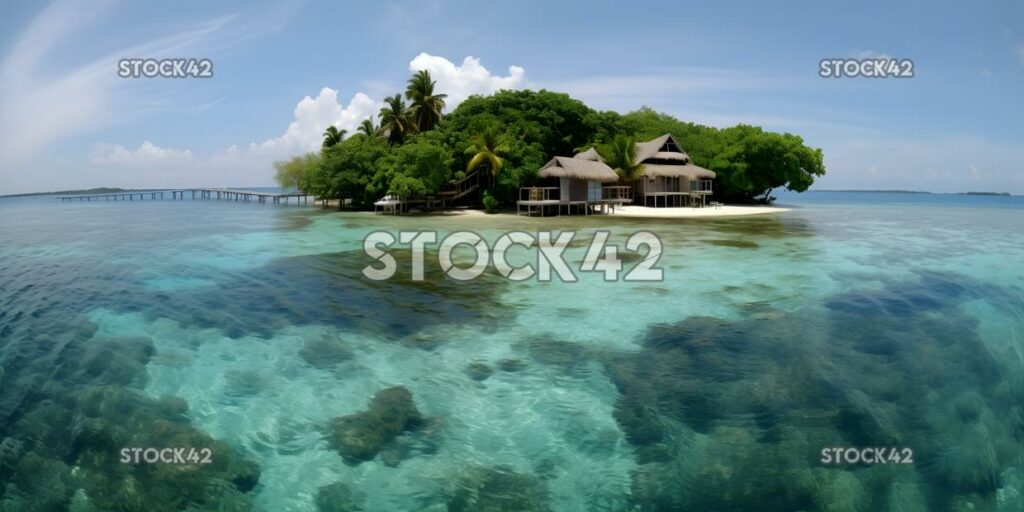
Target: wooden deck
197,193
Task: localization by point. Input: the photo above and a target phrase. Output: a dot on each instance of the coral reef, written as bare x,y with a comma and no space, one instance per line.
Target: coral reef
361,436
63,445
498,489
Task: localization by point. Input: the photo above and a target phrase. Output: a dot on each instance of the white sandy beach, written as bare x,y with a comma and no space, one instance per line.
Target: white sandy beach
648,212
673,213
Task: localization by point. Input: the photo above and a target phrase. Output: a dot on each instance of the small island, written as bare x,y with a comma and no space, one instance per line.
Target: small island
548,150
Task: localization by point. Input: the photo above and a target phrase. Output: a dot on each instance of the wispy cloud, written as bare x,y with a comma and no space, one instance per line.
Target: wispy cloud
38,107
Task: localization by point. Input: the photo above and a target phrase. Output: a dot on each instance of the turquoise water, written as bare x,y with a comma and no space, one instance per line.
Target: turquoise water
853,320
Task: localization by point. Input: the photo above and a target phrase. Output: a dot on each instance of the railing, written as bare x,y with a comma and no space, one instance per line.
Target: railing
462,187
617,193
539,194
702,186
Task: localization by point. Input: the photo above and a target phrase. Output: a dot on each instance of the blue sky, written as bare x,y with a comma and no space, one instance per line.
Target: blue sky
284,71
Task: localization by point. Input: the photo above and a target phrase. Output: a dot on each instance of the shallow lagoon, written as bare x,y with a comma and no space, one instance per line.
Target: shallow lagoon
852,320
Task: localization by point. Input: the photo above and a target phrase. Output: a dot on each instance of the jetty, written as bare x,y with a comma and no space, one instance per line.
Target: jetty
224,194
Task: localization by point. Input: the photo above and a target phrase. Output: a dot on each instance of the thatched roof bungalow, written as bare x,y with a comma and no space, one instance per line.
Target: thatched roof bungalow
668,177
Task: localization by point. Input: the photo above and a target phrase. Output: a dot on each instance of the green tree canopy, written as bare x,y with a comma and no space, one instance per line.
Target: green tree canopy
332,136
294,173
394,120
368,128
510,134
620,154
425,105
487,148
556,121
753,162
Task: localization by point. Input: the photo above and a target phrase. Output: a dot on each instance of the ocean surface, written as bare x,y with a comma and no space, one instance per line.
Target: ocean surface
248,330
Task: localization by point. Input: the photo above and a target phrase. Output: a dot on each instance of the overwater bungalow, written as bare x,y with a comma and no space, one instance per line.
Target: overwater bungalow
586,184
581,184
668,178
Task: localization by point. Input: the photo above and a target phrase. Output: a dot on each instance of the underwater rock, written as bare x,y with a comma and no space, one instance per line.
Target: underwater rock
359,437
336,497
119,361
38,483
69,435
511,365
479,371
739,244
324,353
726,415
425,440
497,489
243,383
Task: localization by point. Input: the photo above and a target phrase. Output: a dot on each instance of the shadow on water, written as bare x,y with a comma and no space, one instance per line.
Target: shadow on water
70,399
331,289
734,415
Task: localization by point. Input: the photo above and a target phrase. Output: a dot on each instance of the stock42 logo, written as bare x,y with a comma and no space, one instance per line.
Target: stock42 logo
545,256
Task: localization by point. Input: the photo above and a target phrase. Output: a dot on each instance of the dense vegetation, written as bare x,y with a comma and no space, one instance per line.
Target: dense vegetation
416,151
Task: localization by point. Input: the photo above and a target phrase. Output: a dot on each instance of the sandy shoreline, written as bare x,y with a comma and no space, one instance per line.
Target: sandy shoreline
674,213
636,212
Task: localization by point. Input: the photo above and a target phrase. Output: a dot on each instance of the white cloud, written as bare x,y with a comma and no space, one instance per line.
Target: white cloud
871,54
37,107
147,154
229,156
312,117
461,82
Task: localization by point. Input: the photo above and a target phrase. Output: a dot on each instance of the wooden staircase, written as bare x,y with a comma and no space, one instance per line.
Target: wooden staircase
458,190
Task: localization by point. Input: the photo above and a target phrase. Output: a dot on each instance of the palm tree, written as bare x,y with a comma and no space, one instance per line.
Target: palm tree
367,128
425,106
487,149
332,136
394,120
620,155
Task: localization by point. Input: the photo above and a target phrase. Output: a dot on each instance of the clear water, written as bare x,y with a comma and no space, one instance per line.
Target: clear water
852,320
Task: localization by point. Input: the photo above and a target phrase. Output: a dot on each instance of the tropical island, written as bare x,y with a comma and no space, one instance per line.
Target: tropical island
415,150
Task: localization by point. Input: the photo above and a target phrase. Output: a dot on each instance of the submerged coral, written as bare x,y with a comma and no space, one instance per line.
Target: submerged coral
361,436
65,446
336,497
497,489
733,415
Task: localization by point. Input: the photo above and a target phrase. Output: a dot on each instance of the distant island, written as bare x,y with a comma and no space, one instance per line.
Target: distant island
868,191
874,191
97,190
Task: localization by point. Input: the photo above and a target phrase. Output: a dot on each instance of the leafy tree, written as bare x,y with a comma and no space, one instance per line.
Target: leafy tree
425,106
332,136
487,149
367,128
510,134
417,168
490,203
620,154
295,173
556,121
394,120
754,162
346,169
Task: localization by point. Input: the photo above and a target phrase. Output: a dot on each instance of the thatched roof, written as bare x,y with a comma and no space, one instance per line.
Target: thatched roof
662,148
590,154
690,171
666,148
578,168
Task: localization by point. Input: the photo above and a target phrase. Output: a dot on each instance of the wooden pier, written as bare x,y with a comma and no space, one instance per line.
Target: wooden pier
301,198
